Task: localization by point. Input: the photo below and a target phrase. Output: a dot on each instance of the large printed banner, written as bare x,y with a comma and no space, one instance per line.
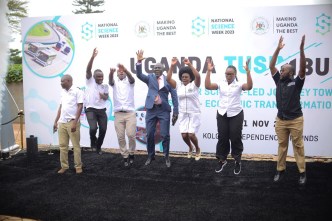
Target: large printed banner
54,46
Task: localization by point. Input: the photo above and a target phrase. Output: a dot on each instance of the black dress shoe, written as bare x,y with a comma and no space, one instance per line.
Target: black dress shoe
168,163
302,179
148,161
131,159
126,164
278,176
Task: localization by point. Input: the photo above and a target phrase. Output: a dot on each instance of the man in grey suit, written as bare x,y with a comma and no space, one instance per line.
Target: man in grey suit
157,107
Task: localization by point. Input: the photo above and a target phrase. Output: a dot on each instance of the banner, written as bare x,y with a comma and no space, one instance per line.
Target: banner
54,46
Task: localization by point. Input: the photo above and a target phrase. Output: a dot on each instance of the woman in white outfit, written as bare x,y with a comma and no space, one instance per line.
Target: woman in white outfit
189,105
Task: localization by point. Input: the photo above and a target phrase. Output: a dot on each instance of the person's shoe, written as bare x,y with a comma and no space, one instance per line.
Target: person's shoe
220,166
126,164
93,146
62,170
198,155
190,154
79,170
148,161
302,179
278,176
237,168
168,162
98,150
131,159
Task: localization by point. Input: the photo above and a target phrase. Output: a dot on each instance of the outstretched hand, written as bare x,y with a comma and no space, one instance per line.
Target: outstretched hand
302,43
95,52
139,55
174,61
281,44
122,68
174,119
112,70
246,67
186,61
210,65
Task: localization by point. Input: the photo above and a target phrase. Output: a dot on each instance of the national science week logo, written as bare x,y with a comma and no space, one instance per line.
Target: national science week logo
100,30
198,26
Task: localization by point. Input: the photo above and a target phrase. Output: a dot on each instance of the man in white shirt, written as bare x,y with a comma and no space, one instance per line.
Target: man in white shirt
67,123
96,96
124,111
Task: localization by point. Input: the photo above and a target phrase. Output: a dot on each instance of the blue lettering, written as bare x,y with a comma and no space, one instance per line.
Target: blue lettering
260,64
230,59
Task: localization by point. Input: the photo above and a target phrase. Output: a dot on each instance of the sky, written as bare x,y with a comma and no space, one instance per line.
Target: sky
41,8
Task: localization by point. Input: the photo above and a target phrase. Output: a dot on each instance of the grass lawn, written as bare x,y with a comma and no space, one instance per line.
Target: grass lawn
39,30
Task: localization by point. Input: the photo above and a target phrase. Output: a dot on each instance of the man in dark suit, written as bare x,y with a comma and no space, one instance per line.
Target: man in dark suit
157,107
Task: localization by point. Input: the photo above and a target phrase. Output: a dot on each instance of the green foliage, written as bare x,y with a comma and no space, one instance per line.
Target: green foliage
17,10
86,6
14,73
15,57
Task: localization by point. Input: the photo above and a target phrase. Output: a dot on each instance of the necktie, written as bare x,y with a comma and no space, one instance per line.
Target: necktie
159,82
157,99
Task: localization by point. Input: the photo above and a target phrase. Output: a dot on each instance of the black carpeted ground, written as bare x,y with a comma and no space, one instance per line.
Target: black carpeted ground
189,190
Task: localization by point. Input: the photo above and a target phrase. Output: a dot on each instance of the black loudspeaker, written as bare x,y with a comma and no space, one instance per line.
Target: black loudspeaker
32,146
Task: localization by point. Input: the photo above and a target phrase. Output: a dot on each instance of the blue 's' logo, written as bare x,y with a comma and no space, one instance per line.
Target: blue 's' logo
87,30
198,27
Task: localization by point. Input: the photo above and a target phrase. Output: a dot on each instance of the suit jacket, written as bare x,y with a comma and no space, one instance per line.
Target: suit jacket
153,91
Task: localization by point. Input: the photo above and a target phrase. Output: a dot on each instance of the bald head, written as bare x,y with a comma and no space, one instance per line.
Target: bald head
66,81
287,71
158,69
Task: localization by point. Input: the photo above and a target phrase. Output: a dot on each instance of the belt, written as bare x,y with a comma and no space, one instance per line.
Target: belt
68,120
123,111
157,105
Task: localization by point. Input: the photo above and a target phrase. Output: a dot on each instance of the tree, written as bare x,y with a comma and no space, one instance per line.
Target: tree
14,56
86,6
17,9
14,73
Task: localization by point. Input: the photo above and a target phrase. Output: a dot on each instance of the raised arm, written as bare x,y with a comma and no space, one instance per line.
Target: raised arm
89,67
111,77
302,59
140,75
208,84
273,61
169,79
195,72
248,85
130,77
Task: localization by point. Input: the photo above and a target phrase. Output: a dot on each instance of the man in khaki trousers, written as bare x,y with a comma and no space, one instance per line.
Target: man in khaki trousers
124,111
289,120
68,125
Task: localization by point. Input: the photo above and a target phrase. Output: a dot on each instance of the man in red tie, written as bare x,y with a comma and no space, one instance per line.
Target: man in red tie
157,107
